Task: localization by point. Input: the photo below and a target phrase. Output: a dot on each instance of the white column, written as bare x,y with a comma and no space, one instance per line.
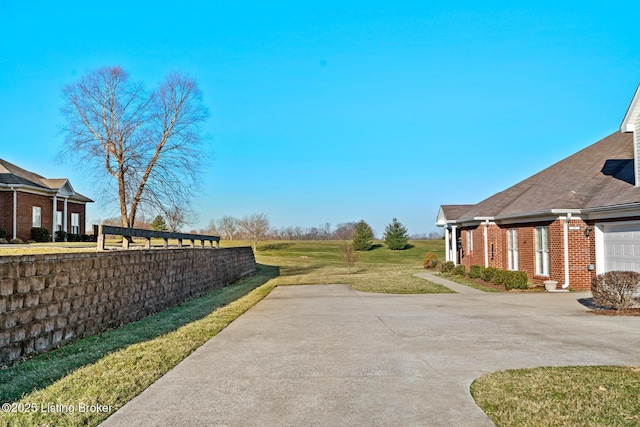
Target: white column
486,244
447,244
15,212
454,244
55,209
64,216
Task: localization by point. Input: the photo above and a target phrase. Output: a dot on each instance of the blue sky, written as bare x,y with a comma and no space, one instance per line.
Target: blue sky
337,111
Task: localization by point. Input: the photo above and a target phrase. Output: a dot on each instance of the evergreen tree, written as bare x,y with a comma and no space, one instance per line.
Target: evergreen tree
362,237
158,224
396,235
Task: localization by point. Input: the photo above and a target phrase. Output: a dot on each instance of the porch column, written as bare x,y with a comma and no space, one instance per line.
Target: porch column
55,210
64,216
486,244
454,244
15,212
447,244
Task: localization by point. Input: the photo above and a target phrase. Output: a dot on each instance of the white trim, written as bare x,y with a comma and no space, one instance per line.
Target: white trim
15,212
565,229
632,113
599,237
64,216
454,244
486,244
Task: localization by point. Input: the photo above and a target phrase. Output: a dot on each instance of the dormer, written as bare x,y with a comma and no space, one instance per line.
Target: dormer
631,123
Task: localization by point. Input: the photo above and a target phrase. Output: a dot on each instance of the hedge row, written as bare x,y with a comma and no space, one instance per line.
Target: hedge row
507,278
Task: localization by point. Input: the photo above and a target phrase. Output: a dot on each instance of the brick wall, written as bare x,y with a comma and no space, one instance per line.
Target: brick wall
48,300
26,201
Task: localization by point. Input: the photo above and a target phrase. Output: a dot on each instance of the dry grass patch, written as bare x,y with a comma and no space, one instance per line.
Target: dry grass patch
561,396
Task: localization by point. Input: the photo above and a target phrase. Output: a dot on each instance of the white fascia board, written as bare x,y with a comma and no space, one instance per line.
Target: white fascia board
628,123
616,211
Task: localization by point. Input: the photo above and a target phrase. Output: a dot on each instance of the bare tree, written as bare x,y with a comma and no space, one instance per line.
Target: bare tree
228,227
345,231
211,228
255,227
178,218
143,147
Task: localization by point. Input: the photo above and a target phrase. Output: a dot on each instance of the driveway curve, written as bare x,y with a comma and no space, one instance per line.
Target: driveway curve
330,356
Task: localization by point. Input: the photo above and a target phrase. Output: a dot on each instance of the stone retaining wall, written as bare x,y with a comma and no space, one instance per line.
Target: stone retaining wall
48,300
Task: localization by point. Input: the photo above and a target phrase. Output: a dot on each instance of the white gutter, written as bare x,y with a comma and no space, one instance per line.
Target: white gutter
486,243
566,251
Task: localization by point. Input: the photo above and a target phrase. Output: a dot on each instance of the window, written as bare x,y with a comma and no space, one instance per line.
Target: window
58,220
542,251
512,248
36,216
75,223
470,241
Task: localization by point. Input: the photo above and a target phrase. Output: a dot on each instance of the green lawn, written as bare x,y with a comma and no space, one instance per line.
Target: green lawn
561,396
377,270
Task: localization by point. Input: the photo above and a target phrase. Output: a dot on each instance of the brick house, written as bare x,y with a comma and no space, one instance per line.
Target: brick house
577,218
30,200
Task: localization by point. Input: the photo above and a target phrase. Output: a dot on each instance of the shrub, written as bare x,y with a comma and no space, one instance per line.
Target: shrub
516,280
615,289
16,241
3,233
447,267
88,238
3,241
460,270
40,234
60,236
74,238
500,277
475,271
430,260
487,274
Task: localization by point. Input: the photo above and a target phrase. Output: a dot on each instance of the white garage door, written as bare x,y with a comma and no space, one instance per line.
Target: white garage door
622,247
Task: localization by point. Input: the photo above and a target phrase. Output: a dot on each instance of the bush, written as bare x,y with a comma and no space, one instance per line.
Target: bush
487,274
88,238
3,241
40,234
460,270
516,280
475,271
615,289
74,238
447,267
430,260
500,277
60,236
3,233
16,241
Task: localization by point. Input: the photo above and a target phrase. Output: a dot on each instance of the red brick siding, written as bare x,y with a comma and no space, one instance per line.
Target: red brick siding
26,201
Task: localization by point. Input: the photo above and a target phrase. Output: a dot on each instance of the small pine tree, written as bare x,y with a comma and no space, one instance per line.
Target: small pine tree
396,235
362,237
158,224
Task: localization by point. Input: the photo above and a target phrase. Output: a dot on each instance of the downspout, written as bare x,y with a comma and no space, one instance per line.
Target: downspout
566,251
15,210
485,234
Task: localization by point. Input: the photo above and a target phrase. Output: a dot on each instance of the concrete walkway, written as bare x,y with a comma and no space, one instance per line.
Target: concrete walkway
331,356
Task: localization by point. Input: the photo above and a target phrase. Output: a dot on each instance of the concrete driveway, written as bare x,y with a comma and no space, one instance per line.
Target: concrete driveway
331,356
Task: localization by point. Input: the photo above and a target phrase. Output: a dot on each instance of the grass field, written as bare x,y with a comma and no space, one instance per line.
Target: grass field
377,270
